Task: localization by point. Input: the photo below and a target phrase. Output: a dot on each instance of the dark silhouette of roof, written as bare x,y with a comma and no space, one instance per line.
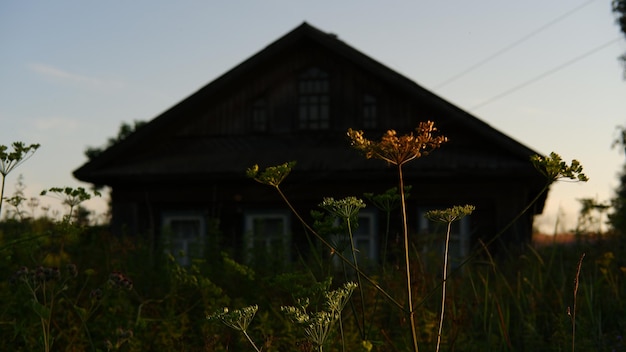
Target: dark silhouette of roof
475,147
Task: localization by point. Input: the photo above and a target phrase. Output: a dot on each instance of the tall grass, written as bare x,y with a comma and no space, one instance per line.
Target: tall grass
515,303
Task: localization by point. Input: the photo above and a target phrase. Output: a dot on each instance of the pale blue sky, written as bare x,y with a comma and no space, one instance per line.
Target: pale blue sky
72,71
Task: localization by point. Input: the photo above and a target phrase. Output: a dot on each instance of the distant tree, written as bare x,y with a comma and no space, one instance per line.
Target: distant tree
617,218
10,159
619,8
591,216
126,129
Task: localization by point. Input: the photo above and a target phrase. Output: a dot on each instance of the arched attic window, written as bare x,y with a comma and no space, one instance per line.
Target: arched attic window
313,100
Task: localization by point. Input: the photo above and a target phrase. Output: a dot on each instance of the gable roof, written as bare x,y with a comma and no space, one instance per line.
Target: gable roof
107,166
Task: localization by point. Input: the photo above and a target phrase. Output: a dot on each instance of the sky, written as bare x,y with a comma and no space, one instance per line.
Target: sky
545,73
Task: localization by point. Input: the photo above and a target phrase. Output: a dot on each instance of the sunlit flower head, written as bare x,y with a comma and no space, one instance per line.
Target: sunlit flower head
398,150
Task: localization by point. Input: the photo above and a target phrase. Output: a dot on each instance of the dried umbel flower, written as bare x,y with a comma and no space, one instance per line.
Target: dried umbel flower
399,150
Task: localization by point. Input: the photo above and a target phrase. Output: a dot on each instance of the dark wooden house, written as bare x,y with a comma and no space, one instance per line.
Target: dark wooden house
295,100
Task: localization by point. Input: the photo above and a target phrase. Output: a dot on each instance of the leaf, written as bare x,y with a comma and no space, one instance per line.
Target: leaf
41,310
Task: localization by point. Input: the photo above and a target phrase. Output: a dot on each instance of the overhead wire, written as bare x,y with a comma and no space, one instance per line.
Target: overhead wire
512,45
546,73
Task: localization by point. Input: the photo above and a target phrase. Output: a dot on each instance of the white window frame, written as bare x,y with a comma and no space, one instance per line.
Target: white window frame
249,236
458,239
174,243
371,238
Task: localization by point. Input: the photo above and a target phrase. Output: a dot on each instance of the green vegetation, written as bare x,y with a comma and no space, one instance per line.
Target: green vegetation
74,287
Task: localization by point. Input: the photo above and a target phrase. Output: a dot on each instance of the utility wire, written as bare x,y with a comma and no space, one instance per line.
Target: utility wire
546,73
512,45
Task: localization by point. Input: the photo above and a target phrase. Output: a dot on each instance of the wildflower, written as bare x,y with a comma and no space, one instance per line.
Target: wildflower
317,325
52,274
238,319
272,175
336,300
554,168
119,280
346,208
72,270
389,200
96,294
451,214
20,275
399,150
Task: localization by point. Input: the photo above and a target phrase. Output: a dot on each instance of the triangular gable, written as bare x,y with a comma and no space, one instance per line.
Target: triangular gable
159,128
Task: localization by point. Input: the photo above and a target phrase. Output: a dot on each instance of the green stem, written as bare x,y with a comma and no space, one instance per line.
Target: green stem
405,230
358,277
493,239
337,253
2,192
444,284
250,340
386,242
343,341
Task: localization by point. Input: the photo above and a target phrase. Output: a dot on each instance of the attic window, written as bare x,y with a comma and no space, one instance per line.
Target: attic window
314,100
370,117
259,116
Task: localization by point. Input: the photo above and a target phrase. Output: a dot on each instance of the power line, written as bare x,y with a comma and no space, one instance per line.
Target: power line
512,45
546,73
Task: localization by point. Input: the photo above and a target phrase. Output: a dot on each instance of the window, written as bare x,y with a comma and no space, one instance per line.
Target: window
267,233
259,116
365,238
434,235
370,118
314,100
183,236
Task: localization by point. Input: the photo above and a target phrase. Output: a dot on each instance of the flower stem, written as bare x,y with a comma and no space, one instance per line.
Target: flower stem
444,283
409,290
245,333
337,253
358,277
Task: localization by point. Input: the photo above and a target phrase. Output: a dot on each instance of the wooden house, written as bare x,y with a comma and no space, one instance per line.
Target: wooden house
295,100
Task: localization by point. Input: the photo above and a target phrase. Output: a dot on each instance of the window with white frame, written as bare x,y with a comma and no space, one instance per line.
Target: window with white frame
435,234
183,236
267,232
365,237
